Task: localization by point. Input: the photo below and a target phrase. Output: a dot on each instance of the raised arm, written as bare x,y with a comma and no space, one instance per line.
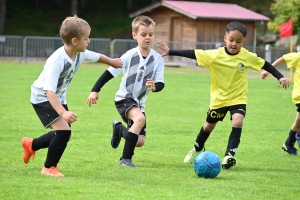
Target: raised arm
114,62
173,52
278,62
284,82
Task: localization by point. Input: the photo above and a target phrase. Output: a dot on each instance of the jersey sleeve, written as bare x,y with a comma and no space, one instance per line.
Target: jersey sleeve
255,62
159,74
90,56
205,57
51,77
116,71
292,59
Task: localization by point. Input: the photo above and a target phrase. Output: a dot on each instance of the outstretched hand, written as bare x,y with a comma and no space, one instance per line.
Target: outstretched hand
284,82
92,99
164,47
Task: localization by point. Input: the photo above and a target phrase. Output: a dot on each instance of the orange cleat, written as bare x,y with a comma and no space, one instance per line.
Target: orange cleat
52,171
28,153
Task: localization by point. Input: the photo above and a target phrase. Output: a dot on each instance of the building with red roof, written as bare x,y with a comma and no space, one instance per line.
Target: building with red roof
199,21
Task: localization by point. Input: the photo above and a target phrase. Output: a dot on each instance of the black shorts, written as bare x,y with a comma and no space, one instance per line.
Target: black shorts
215,115
123,106
46,113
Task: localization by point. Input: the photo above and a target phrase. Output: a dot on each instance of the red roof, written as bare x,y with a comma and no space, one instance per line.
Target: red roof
208,10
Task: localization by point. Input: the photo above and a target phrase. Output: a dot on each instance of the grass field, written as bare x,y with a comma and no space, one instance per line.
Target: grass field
174,117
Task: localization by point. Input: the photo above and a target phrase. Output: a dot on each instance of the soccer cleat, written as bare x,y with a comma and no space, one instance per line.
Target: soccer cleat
189,158
28,153
52,171
126,163
228,161
115,138
298,139
290,150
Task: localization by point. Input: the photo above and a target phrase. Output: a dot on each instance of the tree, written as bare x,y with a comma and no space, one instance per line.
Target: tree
283,10
2,16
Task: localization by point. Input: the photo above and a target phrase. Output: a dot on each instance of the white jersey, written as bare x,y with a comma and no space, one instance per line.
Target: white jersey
136,71
58,73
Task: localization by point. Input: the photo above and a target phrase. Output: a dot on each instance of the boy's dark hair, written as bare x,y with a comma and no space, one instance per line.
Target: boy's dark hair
236,26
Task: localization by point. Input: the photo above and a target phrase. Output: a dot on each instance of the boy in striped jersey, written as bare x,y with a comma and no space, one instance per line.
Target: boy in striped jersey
48,93
143,71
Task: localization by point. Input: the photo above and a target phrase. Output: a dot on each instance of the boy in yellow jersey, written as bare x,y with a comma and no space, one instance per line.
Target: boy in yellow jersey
229,86
291,60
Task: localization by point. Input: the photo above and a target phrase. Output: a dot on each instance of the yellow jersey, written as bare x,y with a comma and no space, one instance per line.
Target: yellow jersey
229,83
293,60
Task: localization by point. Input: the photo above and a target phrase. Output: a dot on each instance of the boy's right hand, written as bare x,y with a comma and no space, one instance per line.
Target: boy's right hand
163,46
70,117
92,99
264,74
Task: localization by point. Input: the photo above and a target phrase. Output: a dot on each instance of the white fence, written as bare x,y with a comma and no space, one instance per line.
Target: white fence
40,48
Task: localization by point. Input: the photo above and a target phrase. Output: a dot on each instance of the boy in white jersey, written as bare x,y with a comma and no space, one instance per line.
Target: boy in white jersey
143,70
48,92
228,92
291,60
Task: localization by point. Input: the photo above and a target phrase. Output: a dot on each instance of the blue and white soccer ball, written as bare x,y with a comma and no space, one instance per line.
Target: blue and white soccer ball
207,164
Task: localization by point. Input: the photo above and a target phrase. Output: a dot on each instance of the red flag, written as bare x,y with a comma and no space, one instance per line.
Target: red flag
286,29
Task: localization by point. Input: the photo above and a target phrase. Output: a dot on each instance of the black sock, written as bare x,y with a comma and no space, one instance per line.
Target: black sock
201,139
57,147
129,146
122,130
42,141
290,141
234,141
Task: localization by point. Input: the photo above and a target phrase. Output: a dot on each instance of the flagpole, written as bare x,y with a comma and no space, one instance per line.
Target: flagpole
291,50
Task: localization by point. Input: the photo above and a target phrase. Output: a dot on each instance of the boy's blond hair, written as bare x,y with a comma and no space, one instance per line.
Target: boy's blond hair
73,27
141,20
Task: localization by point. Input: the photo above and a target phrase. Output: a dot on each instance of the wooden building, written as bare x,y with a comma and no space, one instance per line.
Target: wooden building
188,21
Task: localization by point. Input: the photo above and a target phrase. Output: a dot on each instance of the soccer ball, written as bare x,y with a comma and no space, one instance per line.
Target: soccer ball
207,164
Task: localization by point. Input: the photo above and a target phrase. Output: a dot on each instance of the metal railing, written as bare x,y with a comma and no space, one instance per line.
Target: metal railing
40,48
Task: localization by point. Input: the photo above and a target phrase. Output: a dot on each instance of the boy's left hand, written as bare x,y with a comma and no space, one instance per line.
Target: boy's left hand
92,99
151,85
116,63
284,82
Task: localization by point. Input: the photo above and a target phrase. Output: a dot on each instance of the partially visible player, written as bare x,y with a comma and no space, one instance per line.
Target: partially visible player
48,93
143,71
228,67
291,60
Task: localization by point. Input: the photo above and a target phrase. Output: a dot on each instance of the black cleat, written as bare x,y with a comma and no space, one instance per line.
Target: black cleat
116,137
228,161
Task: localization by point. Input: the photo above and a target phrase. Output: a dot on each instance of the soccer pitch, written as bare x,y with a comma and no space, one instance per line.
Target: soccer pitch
174,117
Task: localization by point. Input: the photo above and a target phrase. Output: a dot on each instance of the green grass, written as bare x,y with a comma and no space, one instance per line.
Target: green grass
174,117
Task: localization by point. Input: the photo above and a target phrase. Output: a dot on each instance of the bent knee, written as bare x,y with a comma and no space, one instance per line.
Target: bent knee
139,144
140,120
141,141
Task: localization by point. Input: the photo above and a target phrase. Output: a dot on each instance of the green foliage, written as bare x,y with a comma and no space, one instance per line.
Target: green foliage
108,18
283,10
174,117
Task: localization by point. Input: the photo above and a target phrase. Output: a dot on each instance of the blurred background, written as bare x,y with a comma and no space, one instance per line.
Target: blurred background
108,18
29,29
